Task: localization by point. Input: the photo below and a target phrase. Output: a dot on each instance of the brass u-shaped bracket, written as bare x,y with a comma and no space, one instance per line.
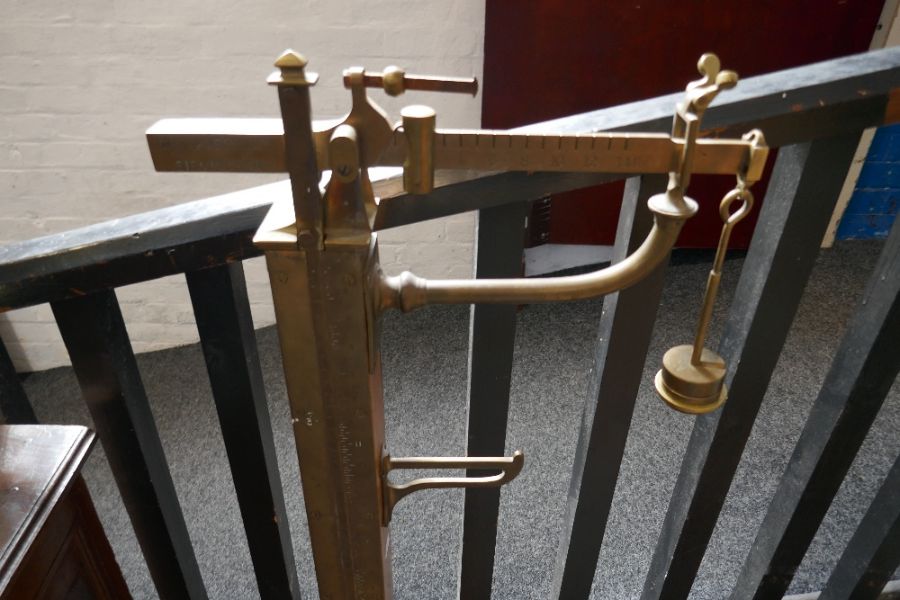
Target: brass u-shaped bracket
392,493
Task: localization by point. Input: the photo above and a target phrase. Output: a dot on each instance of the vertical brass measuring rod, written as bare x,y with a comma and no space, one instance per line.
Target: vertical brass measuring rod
329,290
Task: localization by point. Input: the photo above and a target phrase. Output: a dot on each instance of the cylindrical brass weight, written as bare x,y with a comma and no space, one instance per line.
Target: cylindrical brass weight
692,387
418,169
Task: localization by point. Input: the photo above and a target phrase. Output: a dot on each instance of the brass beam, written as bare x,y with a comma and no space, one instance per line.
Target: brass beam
257,145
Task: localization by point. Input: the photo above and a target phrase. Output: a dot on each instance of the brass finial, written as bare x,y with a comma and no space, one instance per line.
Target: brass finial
291,59
291,70
701,93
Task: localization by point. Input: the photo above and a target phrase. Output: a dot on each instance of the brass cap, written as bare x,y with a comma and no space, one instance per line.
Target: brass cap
291,70
291,59
689,388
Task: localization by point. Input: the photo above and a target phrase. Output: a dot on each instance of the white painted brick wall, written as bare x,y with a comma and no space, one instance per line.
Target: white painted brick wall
81,81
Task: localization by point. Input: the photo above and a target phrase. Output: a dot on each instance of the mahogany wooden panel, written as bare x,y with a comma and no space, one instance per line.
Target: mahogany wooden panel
546,59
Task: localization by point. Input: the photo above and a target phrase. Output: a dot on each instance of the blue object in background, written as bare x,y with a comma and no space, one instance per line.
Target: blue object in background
873,206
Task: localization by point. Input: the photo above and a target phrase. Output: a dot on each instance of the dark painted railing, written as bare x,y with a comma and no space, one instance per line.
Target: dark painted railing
814,113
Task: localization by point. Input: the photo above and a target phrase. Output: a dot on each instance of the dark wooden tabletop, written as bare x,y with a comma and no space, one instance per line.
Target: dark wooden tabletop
37,465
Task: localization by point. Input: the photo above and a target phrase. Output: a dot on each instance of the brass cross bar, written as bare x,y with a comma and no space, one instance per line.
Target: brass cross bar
257,145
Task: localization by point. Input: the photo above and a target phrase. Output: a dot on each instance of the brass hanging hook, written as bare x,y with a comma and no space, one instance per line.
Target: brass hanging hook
729,220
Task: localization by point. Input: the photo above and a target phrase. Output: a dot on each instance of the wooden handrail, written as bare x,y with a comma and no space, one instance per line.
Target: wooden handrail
792,106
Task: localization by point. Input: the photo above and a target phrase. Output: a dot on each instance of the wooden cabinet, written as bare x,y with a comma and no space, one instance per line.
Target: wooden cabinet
51,542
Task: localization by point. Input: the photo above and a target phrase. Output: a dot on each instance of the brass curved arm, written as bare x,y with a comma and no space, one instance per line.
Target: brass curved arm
407,291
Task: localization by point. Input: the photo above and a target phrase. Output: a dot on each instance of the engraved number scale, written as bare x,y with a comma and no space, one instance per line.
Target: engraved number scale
329,291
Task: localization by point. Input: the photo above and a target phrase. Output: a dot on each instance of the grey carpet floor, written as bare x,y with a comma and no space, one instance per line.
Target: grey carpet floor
425,396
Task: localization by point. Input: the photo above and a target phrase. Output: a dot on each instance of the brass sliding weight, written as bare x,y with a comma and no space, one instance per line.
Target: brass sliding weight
692,377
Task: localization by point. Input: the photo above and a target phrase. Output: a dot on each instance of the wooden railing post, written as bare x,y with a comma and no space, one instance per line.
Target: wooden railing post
873,554
104,363
623,337
15,409
492,336
864,368
219,297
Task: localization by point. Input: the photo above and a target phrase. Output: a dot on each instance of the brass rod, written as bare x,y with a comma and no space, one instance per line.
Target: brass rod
686,164
457,462
299,147
715,274
709,298
422,83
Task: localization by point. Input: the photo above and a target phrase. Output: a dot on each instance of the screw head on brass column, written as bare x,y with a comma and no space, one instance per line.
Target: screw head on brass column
689,388
292,70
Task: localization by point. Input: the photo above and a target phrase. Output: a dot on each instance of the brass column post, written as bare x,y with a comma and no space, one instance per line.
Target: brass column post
334,387
324,308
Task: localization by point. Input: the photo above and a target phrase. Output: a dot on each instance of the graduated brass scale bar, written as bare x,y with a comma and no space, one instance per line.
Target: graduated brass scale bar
257,145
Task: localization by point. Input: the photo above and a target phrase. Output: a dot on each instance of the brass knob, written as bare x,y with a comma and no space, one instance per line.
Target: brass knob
418,168
292,71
